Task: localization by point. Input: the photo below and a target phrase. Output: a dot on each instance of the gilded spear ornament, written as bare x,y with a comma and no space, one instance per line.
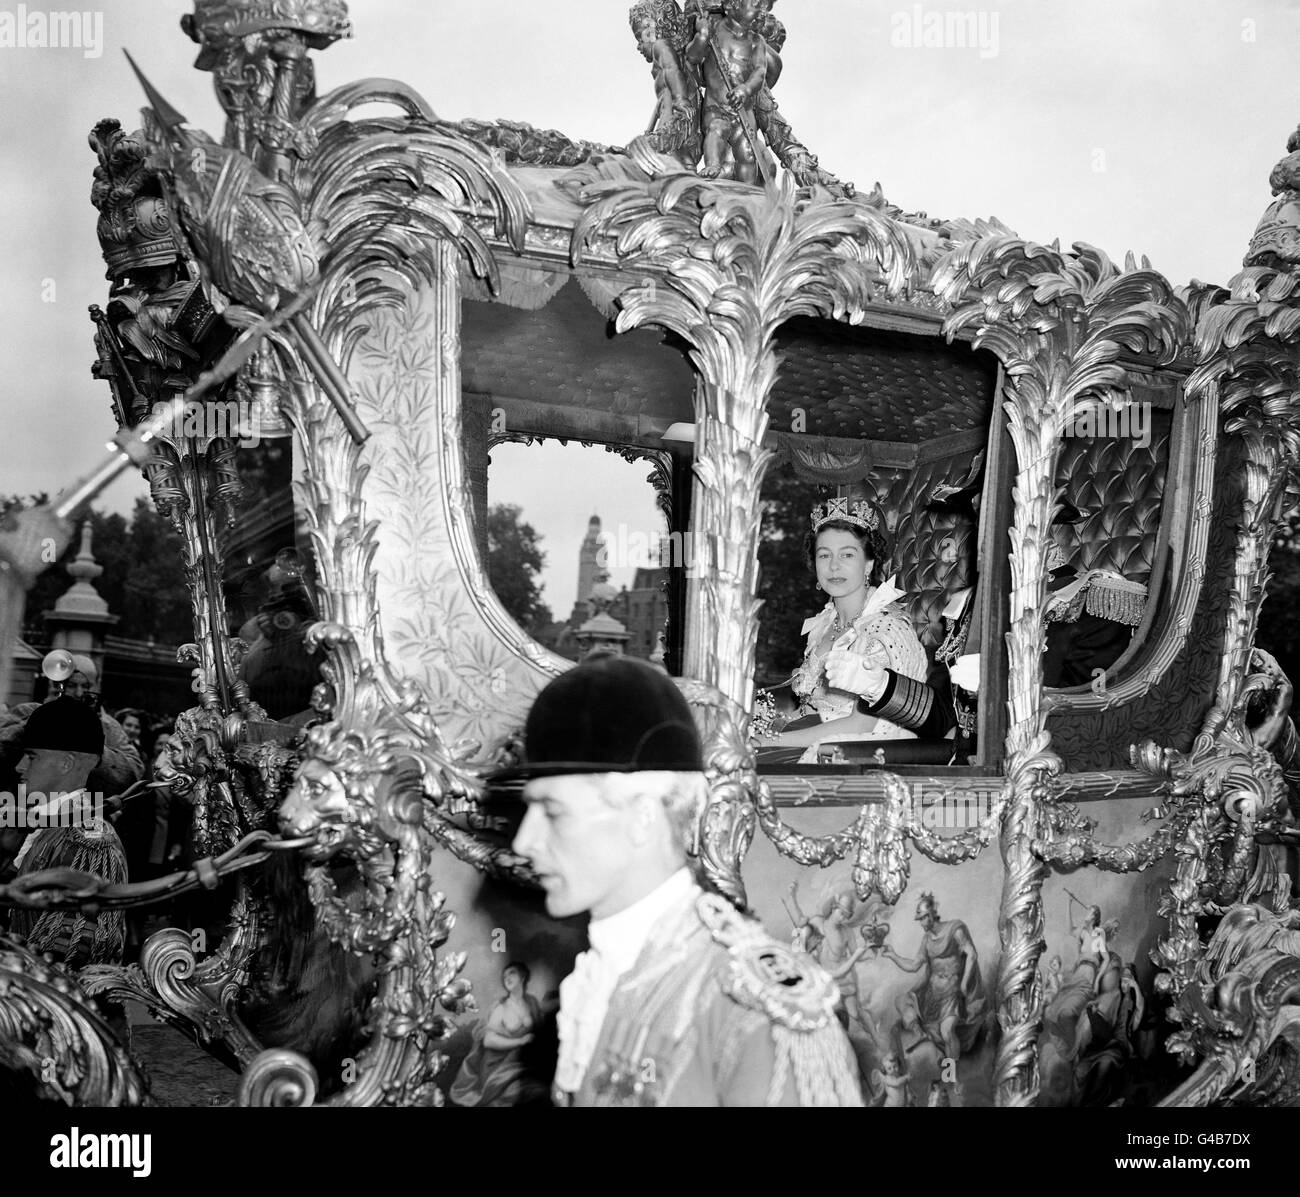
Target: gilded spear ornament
250,237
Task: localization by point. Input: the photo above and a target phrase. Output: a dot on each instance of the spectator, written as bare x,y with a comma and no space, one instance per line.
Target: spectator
61,743
132,722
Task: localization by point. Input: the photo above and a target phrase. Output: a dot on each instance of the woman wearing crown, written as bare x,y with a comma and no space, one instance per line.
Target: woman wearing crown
862,653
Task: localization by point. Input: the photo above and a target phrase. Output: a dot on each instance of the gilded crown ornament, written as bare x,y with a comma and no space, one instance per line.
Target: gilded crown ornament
860,513
135,227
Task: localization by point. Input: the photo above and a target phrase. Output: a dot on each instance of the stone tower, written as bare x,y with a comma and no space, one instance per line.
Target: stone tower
591,566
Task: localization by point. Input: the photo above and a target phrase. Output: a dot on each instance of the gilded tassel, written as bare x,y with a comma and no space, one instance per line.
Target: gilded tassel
825,1073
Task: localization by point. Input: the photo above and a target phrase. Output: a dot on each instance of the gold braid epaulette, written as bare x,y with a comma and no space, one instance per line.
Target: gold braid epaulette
1101,593
765,975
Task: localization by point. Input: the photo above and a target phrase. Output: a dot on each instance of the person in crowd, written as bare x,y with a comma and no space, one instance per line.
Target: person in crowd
61,745
132,723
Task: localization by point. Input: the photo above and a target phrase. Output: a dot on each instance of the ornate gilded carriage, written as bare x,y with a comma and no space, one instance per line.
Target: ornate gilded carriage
394,294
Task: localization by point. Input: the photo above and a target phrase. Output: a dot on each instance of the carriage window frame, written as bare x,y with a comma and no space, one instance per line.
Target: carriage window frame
670,473
991,615
1191,447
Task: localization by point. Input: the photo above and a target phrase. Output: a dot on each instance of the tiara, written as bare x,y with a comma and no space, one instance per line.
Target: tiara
838,509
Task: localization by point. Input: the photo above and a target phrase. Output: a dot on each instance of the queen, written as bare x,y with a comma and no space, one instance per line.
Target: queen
862,658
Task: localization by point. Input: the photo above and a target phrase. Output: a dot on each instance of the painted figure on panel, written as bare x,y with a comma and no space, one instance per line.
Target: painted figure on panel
1105,1041
495,1072
940,1097
948,1006
827,936
892,1083
1091,934
1090,1022
1052,980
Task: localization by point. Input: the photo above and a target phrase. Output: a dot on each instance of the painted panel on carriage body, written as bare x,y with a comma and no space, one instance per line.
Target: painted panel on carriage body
922,1017
498,925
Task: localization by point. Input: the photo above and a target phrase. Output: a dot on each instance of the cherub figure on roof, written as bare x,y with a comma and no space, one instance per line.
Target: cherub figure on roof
714,68
662,32
736,63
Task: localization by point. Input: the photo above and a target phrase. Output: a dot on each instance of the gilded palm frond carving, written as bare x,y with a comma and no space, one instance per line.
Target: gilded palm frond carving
725,265
1060,324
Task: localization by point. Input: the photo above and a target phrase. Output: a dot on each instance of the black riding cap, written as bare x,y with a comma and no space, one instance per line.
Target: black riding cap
64,725
610,715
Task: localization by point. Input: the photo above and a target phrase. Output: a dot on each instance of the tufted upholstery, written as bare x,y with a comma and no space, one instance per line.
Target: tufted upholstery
1122,485
919,387
1118,481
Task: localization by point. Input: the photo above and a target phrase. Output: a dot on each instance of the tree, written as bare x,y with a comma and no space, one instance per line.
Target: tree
514,563
155,600
143,581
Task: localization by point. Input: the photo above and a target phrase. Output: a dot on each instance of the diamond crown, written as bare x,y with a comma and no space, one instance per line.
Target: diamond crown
860,513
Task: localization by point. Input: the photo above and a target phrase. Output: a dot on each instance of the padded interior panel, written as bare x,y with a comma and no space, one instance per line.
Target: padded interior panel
919,530
1121,484
889,386
567,354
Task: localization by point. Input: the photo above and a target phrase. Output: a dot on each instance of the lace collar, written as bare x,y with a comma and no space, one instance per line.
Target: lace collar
882,597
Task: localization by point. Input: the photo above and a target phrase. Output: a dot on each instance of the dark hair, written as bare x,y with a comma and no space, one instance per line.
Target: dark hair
149,737
520,967
873,542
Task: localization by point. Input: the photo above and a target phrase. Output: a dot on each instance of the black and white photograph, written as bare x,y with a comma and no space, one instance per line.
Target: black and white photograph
692,553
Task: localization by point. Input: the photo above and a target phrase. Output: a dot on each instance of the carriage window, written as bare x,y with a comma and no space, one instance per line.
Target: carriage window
869,549
578,546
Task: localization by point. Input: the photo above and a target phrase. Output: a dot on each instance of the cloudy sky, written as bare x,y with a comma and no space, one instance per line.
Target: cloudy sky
1148,125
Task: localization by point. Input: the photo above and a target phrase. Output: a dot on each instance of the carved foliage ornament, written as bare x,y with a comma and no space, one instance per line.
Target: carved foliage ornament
1059,324
50,1031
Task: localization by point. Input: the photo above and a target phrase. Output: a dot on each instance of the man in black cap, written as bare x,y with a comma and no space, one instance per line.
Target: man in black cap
62,743
680,1000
